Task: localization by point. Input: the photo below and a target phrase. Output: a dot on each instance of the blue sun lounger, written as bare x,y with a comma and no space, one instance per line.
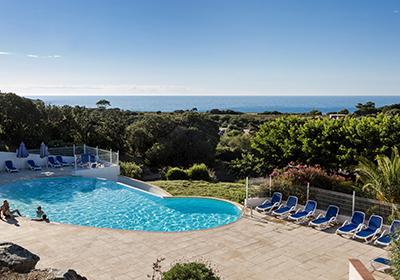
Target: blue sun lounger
323,222
305,213
9,166
85,161
268,205
53,163
386,238
286,209
32,165
367,233
381,264
61,161
93,161
353,226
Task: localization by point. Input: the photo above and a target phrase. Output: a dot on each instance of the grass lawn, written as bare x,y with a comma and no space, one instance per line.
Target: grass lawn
231,191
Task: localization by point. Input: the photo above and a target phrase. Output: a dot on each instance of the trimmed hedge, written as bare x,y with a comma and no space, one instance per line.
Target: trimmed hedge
176,173
199,172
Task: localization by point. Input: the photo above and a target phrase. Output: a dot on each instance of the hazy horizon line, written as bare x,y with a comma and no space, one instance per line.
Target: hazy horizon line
205,95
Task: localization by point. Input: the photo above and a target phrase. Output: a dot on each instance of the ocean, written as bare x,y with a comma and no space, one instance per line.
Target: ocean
284,104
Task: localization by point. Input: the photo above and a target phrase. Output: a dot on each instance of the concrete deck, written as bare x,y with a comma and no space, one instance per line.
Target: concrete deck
27,174
247,249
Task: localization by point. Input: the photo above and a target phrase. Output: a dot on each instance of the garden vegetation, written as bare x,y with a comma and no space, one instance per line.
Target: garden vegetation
226,144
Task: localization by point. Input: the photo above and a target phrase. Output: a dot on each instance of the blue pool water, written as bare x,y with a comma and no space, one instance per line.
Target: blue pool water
107,204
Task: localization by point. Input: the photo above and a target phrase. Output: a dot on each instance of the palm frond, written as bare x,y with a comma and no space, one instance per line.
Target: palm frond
383,177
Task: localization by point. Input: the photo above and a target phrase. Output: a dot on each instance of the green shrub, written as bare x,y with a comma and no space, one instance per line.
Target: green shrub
199,172
176,173
131,169
395,258
191,270
394,216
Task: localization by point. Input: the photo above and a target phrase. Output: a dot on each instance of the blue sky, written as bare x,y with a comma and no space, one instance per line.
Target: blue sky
258,47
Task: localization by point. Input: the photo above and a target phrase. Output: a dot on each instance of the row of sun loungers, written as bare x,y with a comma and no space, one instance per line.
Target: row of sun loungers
88,161
355,227
53,162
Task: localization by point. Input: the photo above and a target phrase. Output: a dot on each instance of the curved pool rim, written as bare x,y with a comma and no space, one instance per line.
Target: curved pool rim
236,204
72,225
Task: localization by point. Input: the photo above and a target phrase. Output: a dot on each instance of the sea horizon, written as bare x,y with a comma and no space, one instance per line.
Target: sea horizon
240,103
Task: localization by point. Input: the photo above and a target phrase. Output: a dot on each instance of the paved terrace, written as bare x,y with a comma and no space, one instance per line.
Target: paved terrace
247,249
26,174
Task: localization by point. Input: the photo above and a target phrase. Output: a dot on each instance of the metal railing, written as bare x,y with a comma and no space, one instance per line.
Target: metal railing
105,156
102,155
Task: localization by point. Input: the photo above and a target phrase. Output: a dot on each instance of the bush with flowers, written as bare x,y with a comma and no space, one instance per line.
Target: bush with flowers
293,180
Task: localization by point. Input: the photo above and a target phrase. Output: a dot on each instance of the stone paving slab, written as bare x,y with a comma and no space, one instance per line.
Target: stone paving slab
246,249
26,174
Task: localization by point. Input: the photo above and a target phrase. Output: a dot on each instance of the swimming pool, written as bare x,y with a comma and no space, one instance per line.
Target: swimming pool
107,204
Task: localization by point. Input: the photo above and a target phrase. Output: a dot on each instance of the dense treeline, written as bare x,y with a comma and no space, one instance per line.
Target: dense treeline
31,121
228,142
333,144
152,139
177,140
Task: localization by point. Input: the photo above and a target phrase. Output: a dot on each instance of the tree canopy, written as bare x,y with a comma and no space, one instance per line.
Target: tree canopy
103,103
333,144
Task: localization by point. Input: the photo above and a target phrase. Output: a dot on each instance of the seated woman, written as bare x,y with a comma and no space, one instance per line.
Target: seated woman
7,212
41,216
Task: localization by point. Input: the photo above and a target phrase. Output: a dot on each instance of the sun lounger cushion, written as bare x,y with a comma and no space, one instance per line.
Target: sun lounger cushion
275,200
356,220
310,207
374,226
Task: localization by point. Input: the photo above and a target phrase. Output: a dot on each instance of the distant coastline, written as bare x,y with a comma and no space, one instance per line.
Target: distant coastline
246,104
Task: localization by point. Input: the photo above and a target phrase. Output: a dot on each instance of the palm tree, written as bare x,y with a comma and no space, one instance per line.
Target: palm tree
382,178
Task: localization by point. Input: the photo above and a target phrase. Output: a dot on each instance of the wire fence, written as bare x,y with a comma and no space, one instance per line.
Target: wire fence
264,187
106,156
62,151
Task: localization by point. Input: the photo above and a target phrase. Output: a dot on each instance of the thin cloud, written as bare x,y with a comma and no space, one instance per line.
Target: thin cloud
98,89
44,56
177,90
31,55
396,11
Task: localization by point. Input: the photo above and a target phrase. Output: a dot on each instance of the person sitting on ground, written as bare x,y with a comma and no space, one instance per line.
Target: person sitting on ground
7,212
39,212
41,216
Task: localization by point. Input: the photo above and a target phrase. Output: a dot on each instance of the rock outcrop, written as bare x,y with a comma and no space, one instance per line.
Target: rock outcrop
70,274
17,263
16,258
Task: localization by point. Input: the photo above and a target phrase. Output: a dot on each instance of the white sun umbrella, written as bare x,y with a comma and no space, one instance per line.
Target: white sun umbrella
22,152
44,152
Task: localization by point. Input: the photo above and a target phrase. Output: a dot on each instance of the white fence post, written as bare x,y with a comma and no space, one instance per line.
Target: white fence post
117,157
84,148
111,156
247,192
353,207
97,153
73,150
75,159
270,185
308,190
